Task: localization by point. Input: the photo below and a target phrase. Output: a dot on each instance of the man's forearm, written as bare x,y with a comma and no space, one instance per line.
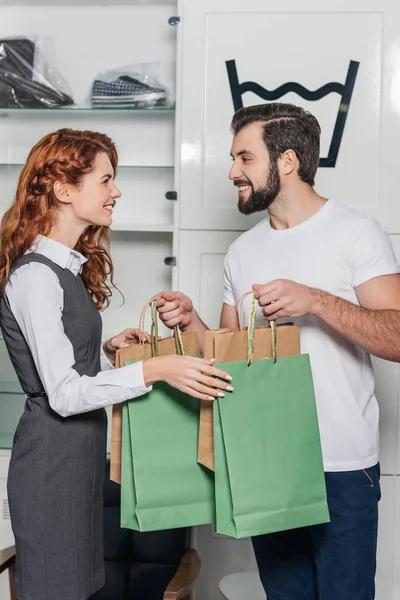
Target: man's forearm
197,325
376,331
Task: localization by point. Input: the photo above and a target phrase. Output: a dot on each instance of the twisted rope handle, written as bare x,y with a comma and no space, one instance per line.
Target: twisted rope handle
273,340
154,329
178,341
251,328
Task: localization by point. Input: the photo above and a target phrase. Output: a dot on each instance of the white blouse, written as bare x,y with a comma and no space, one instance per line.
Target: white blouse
36,300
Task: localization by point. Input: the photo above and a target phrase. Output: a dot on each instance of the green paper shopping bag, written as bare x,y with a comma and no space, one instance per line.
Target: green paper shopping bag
162,485
190,344
268,463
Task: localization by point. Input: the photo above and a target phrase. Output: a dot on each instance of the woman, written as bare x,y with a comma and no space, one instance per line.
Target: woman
55,276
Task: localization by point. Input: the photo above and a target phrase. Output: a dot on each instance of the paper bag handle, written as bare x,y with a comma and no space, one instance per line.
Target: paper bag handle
154,329
251,328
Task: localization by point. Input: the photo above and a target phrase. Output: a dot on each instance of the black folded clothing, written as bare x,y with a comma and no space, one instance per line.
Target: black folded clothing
18,89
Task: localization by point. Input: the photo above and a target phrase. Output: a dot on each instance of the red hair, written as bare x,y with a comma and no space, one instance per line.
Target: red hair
66,155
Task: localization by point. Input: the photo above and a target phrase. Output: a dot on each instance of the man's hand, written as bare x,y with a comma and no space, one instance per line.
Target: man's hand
175,309
285,298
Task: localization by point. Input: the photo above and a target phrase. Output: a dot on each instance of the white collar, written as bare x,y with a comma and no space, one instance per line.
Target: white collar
65,257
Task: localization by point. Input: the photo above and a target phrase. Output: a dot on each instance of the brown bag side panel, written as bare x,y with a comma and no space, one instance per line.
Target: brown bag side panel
205,452
135,352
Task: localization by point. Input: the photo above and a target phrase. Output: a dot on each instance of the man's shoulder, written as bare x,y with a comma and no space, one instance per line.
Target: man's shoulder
358,228
347,215
246,239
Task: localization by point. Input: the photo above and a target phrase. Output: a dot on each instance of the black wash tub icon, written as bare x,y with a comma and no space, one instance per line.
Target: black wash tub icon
344,90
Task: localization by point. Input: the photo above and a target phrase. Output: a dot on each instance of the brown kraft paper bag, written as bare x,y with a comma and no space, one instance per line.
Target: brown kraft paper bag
142,352
227,345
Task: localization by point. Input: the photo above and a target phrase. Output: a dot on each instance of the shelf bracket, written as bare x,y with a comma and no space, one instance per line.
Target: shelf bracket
174,21
171,195
170,261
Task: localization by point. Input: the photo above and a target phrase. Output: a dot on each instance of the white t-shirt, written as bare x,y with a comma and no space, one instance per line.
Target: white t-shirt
336,250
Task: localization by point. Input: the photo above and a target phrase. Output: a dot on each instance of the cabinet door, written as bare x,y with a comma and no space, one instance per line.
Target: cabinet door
386,400
307,53
387,392
200,270
6,534
388,561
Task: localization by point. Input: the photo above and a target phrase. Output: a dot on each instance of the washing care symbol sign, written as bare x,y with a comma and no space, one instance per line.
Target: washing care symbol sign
344,90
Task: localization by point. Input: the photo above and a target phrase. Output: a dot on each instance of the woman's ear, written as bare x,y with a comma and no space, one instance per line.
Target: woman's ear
62,191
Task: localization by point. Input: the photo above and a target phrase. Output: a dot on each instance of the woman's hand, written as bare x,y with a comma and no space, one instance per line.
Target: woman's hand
128,337
194,376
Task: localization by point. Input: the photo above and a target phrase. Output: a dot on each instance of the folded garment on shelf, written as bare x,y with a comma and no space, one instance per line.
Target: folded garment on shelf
24,86
142,85
125,92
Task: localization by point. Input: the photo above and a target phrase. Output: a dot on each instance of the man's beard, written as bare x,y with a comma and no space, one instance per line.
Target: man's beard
261,199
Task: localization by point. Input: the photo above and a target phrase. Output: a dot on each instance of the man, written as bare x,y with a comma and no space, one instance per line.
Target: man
332,270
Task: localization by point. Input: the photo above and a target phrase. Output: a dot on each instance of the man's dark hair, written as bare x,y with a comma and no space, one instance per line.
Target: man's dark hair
286,127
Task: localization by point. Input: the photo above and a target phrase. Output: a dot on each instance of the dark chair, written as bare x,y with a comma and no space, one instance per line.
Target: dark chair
7,562
157,565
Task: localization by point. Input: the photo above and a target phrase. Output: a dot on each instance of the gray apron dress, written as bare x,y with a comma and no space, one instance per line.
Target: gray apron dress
57,465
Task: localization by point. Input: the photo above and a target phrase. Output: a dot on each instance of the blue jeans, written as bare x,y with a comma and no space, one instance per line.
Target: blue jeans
334,561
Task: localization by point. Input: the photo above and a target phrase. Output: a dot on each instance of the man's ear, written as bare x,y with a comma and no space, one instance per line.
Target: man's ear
288,162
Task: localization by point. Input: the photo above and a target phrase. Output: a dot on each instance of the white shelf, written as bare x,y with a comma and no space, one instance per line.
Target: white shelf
42,110
146,227
95,3
19,165
88,3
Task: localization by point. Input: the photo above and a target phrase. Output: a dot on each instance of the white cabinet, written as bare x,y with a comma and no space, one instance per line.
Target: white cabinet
80,39
106,37
306,53
201,268
386,567
6,535
140,271
387,393
237,53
